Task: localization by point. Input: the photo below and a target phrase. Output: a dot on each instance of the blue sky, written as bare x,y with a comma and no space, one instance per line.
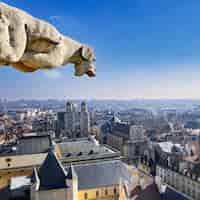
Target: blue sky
144,49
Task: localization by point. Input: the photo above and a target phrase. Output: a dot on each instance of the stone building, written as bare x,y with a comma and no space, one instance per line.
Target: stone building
186,183
175,168
130,140
96,181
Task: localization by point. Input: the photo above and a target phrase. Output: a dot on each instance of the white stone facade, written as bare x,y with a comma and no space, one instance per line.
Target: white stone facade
182,183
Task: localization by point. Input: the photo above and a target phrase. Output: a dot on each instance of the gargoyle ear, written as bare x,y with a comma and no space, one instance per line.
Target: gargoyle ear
86,53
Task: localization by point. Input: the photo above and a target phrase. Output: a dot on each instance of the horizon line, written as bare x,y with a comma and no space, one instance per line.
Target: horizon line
101,99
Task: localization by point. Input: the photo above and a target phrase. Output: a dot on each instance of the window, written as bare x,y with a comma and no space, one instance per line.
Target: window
86,195
97,193
91,152
8,159
115,191
106,192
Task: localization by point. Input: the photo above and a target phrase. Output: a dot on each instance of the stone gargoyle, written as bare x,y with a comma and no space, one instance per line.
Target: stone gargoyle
29,44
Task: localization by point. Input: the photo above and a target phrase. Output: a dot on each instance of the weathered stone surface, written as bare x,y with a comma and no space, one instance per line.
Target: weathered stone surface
29,44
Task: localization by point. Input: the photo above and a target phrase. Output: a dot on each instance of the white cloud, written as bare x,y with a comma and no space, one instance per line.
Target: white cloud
52,74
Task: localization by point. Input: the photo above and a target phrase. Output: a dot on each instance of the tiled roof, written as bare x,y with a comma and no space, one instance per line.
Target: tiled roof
151,192
136,191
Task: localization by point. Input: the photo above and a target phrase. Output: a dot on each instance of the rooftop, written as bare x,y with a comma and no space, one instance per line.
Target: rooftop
151,192
101,174
85,149
170,194
51,173
32,144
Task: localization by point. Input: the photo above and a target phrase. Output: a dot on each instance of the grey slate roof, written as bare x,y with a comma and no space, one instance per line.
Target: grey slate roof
51,174
5,193
101,174
151,192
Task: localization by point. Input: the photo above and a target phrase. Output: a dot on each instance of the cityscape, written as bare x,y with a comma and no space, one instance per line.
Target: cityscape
103,150
128,130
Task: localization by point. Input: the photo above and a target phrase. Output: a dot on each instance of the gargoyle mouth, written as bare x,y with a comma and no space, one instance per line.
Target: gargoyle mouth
91,72
85,68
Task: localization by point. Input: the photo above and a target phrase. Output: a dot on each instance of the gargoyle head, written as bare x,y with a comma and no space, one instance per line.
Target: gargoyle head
85,64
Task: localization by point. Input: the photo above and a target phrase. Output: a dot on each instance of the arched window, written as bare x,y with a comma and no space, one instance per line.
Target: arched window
97,193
